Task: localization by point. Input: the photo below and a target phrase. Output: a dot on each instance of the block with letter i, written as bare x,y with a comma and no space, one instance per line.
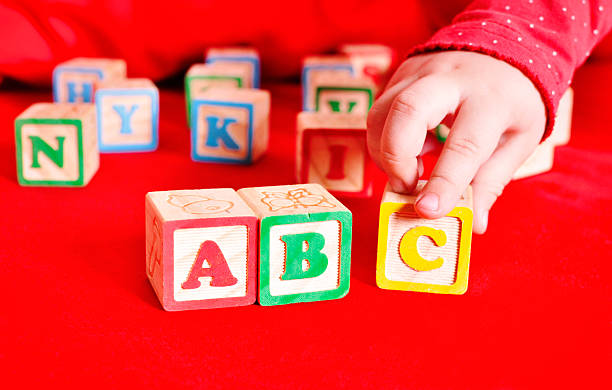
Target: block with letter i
74,81
201,248
229,125
238,55
342,94
312,66
332,151
57,145
417,254
305,243
200,77
128,115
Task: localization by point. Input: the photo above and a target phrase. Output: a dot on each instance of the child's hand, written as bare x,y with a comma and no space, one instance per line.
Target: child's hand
499,119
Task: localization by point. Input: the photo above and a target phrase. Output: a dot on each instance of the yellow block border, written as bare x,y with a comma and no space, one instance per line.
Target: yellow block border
466,217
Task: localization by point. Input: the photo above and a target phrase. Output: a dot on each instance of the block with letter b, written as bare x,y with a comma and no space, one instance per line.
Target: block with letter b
57,145
342,93
229,125
312,66
201,248
74,81
128,115
417,254
332,151
305,243
238,55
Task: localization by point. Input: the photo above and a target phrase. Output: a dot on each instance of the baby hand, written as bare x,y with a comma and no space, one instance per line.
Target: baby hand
499,119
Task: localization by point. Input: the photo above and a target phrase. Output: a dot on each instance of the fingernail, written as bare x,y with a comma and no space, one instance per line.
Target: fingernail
429,201
484,219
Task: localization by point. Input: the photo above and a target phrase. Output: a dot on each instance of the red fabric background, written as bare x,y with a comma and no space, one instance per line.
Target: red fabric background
79,311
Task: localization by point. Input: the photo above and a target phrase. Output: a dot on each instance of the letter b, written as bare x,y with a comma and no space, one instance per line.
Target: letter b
296,255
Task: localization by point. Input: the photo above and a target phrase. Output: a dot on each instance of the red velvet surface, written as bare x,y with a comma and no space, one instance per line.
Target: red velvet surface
78,309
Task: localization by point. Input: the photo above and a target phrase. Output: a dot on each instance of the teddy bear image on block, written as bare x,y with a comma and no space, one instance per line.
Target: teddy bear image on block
418,254
201,248
305,243
57,145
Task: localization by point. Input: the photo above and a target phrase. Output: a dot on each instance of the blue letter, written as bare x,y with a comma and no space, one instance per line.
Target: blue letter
215,132
86,92
125,117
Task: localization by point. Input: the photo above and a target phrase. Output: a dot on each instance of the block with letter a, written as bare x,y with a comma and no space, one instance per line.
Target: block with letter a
305,243
201,248
74,81
417,254
57,145
229,125
332,151
128,115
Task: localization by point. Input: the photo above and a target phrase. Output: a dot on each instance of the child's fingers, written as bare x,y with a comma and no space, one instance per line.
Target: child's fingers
496,173
472,140
413,111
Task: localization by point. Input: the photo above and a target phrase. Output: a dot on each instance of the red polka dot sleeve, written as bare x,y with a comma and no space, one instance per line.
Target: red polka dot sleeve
546,40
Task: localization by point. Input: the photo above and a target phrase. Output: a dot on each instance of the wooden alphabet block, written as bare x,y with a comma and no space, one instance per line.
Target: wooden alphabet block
240,55
332,151
229,125
313,65
57,145
417,254
338,93
370,60
128,115
540,161
200,77
201,249
563,121
74,80
305,243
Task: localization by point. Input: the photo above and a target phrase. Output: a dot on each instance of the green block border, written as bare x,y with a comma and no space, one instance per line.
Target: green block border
207,77
366,90
346,221
19,151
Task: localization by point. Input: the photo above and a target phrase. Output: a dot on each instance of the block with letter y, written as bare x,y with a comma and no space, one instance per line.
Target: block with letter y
56,145
417,254
229,125
305,243
201,248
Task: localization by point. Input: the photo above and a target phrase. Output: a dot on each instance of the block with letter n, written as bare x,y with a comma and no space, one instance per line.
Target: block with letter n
201,248
74,81
332,151
342,94
57,145
238,55
229,125
200,77
128,115
418,254
313,66
305,243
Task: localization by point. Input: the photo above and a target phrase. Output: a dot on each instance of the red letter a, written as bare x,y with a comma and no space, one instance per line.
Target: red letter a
219,270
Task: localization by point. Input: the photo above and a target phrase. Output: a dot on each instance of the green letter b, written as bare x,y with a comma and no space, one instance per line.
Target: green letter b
296,255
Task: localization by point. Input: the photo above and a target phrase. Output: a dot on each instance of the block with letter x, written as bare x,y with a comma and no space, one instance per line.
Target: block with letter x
332,151
305,243
201,248
417,254
74,81
128,115
229,125
57,145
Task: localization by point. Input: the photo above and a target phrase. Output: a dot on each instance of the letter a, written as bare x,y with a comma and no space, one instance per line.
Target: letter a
216,132
219,270
55,155
296,255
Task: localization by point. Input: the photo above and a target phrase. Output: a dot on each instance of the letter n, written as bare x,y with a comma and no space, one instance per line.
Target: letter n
55,155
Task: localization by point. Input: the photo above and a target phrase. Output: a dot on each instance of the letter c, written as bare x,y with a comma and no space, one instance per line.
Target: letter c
410,254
